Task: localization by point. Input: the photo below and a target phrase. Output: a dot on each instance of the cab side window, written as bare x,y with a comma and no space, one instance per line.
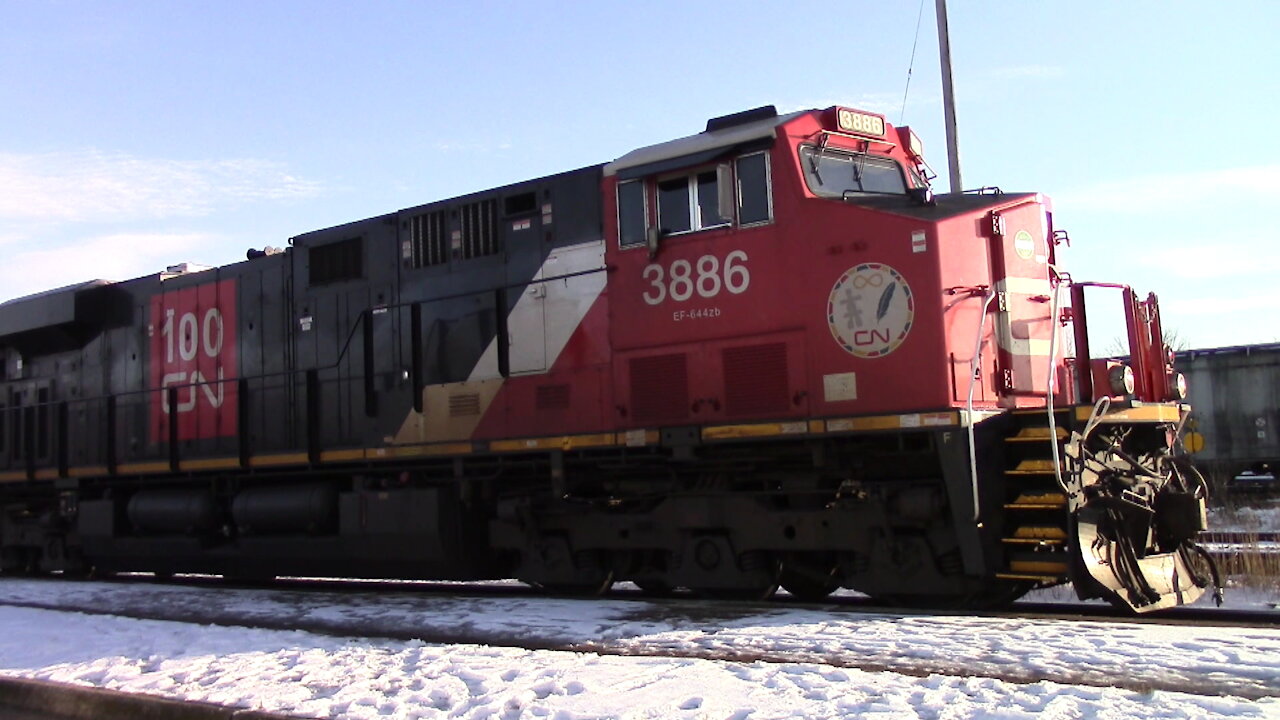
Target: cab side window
632,213
694,201
754,205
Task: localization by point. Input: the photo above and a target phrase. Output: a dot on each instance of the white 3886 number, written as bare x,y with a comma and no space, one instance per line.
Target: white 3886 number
706,277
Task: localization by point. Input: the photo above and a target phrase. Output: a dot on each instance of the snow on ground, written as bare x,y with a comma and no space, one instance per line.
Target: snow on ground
885,665
300,673
1258,515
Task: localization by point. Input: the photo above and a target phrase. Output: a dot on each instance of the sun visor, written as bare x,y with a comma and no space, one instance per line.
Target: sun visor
696,149
674,163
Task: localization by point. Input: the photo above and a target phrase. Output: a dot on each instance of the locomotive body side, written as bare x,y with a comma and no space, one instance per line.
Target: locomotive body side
759,355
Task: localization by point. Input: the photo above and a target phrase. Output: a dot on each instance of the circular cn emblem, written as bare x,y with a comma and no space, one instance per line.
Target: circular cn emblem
870,310
1024,245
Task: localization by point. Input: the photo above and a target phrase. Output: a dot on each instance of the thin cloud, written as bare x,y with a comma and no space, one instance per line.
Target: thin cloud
119,256
95,186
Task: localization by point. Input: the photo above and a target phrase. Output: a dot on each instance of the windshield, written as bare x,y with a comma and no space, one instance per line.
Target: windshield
841,174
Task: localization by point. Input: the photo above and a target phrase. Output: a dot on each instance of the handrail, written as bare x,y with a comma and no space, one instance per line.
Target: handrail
975,366
111,400
341,355
1051,380
1146,342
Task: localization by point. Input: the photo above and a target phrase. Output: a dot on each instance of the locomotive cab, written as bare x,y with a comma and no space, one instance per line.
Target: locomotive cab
925,341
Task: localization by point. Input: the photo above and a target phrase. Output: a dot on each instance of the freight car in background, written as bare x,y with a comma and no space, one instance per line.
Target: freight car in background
1236,395
764,354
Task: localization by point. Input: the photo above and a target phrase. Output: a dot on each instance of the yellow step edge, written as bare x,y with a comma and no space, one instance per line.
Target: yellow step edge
1034,465
1036,434
1040,532
1038,567
1040,498
1031,541
1030,576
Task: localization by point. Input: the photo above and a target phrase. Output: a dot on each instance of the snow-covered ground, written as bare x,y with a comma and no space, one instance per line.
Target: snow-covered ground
790,662
1258,515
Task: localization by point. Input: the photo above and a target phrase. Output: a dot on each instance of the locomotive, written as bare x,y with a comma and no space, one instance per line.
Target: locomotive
763,355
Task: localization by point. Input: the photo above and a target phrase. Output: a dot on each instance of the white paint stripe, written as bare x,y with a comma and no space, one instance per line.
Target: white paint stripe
566,303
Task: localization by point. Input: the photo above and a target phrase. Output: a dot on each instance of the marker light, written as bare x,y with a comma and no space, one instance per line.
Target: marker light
1121,379
1178,386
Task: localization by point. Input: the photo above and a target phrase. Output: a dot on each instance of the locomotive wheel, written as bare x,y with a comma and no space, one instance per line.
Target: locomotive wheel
654,587
807,585
584,589
756,593
746,576
20,562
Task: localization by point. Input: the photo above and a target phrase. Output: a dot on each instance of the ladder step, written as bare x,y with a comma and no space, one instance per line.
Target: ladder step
1030,541
1040,532
1038,501
1036,434
1028,576
1038,567
1032,466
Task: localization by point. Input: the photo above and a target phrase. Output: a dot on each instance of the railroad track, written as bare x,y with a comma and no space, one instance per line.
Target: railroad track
1238,538
847,633
676,604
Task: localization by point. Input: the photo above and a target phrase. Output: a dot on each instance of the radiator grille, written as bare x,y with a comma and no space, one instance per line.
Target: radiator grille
336,261
660,387
552,397
479,221
466,404
755,379
429,233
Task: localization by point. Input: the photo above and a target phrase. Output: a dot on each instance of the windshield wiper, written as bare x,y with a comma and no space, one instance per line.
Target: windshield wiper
813,167
858,167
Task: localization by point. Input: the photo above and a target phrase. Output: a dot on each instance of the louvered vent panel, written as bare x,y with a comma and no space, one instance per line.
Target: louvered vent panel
336,261
552,397
755,379
466,404
479,222
429,233
660,388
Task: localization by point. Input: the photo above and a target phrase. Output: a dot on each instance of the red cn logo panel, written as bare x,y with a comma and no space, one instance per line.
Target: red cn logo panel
193,349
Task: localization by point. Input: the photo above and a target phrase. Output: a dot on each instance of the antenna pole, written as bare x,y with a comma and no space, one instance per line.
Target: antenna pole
948,98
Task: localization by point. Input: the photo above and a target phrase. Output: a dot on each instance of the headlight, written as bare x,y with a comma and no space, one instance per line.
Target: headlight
1121,379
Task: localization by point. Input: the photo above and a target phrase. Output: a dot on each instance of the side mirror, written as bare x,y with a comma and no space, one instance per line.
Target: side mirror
651,240
727,197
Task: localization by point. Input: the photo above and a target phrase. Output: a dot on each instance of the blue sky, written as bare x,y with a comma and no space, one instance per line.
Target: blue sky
140,134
